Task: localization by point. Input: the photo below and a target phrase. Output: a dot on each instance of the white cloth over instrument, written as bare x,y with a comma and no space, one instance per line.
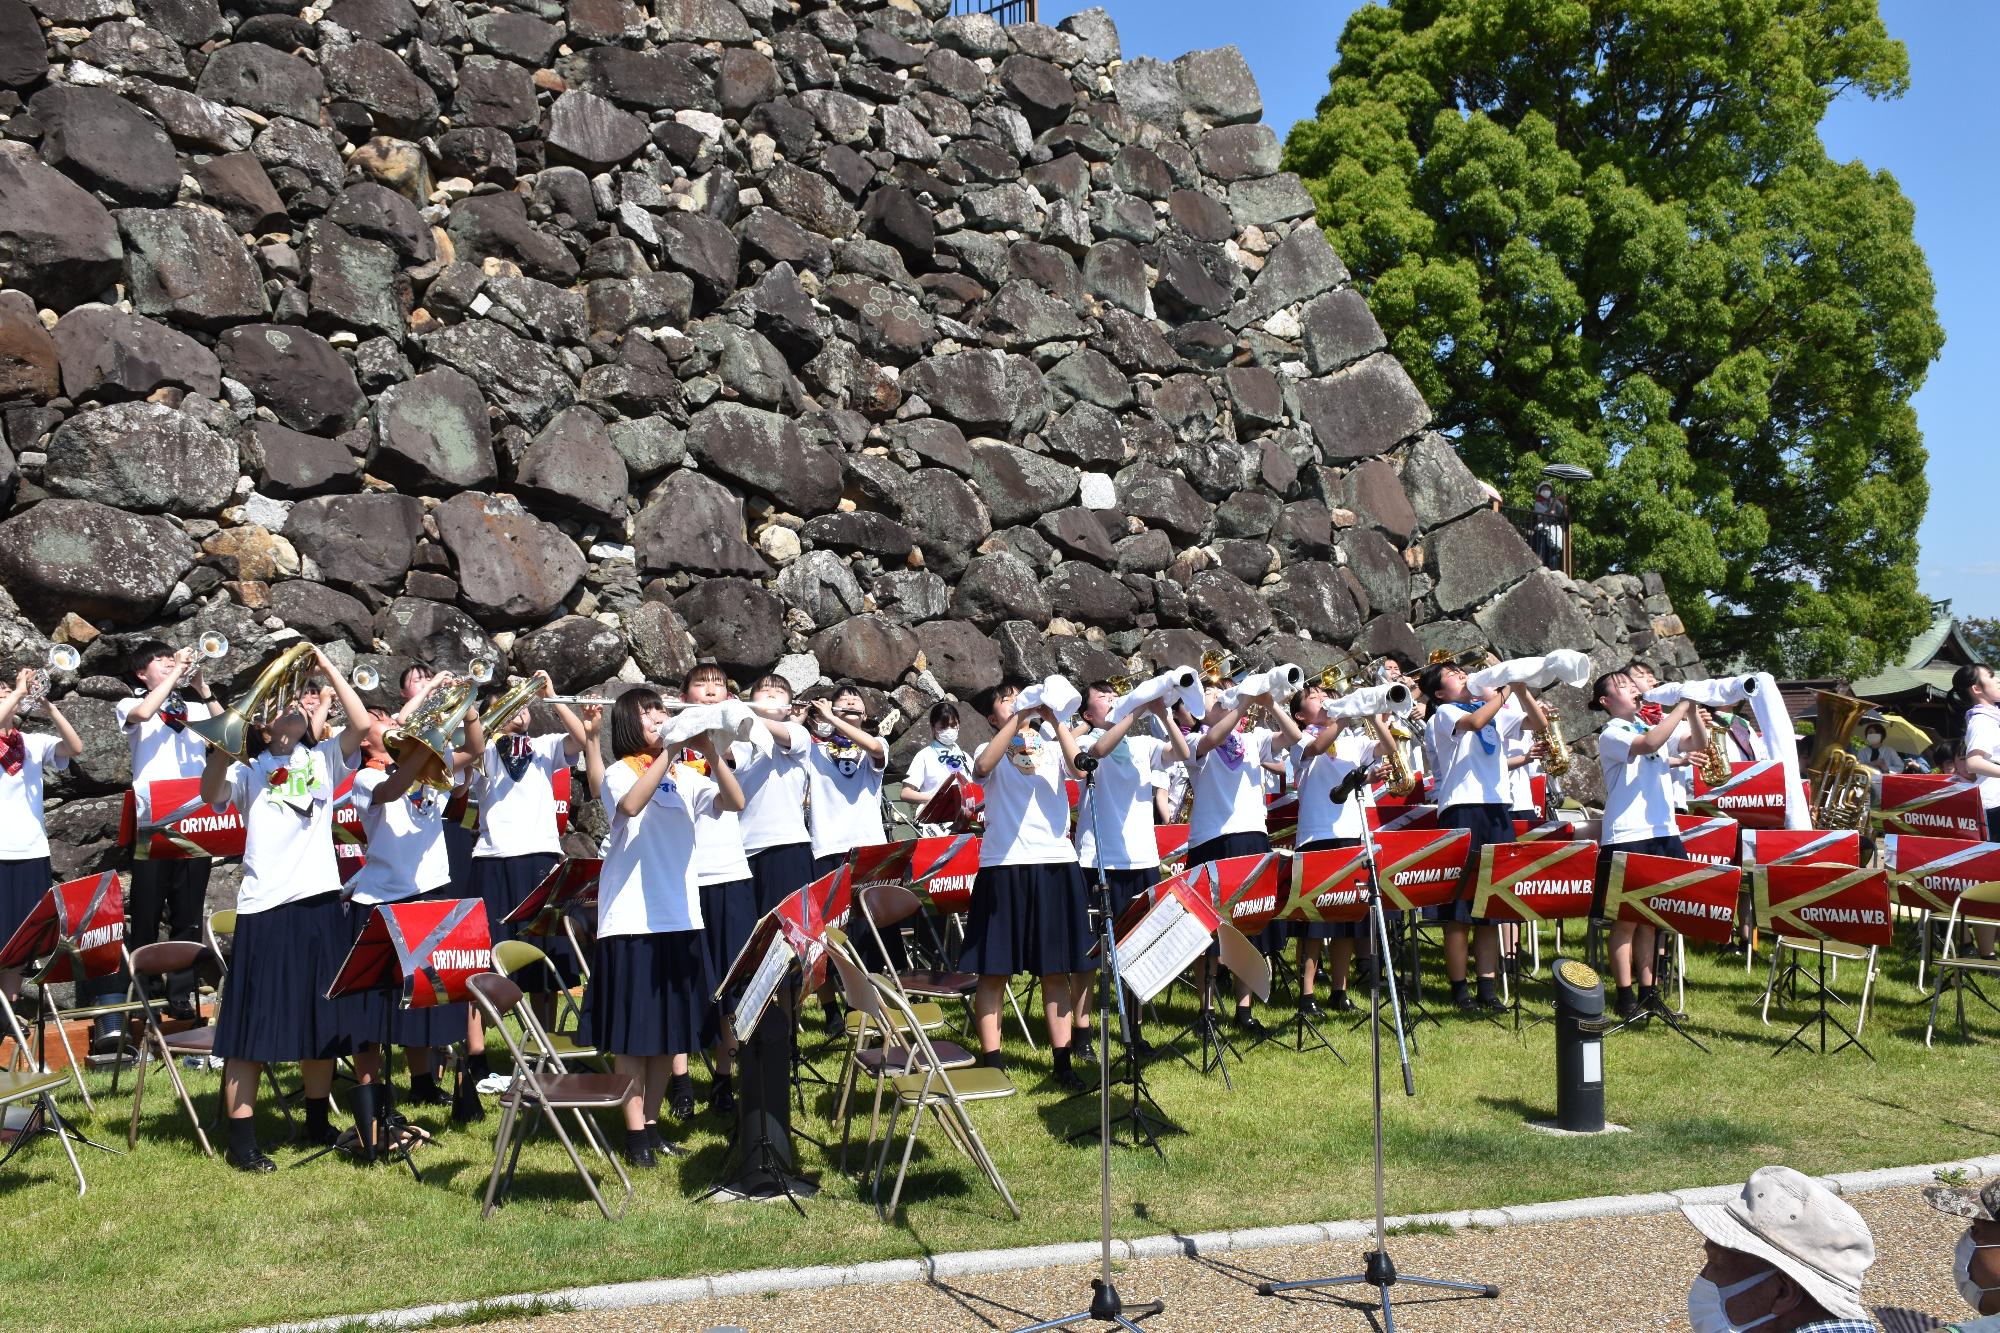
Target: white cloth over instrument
1392,699
726,722
1182,681
1055,694
1279,683
1772,720
1537,673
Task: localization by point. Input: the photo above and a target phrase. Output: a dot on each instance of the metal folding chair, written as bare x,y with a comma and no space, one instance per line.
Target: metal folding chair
549,1093
880,1061
1956,972
514,956
946,1092
157,962
38,1090
1835,954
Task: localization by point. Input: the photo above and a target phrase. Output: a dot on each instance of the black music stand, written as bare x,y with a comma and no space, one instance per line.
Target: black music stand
761,1166
1822,1017
1378,1269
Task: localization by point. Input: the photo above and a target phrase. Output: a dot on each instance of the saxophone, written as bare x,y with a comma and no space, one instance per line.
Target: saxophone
1559,758
1714,760
1402,779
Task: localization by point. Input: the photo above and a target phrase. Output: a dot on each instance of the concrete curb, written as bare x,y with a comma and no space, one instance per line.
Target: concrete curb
970,1263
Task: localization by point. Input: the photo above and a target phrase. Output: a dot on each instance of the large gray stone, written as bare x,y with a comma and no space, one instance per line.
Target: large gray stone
945,517
101,563
576,651
1439,486
1084,592
186,263
695,525
983,391
1314,599
291,465
398,101
962,659
108,353
262,79
997,588
819,584
107,142
517,376
322,614
431,434
1375,494
1019,486
1363,410
143,456
1380,569
440,636
1337,329
1162,499
1223,605
1217,85
1474,558
1299,268
1537,615
660,641
872,650
294,372
593,133
574,466
767,453
364,541
735,622
57,243
513,568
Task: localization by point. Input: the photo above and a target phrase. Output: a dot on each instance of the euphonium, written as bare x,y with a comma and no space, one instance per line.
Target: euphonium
276,689
1841,790
428,738
1559,758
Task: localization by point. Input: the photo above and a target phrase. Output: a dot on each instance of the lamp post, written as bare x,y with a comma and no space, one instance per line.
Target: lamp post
1561,472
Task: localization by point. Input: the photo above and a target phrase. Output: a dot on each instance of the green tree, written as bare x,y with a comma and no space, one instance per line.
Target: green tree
1982,635
1608,234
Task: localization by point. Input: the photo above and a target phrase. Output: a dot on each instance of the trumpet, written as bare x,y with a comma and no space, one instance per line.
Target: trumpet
365,677
211,645
481,670
62,657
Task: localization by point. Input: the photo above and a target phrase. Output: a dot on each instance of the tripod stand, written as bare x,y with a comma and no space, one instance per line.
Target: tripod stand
1105,1305
1823,1017
1378,1268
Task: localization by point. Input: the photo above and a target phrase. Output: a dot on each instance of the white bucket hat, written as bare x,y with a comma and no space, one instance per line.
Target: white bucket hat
1797,1224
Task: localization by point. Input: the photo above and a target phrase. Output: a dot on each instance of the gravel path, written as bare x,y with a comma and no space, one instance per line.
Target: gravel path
1622,1273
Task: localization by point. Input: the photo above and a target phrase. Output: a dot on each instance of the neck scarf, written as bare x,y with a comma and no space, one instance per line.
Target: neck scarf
515,753
174,711
13,753
1489,735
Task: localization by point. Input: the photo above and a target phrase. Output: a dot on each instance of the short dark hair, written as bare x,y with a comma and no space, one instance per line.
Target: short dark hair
985,699
944,713
771,682
143,653
1430,678
703,671
628,731
410,670
1642,665
1404,662
843,689
1603,683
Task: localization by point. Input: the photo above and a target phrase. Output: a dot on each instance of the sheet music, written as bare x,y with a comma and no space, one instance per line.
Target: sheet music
763,984
1160,947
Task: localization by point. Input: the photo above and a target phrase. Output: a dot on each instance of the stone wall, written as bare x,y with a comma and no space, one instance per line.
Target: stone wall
870,342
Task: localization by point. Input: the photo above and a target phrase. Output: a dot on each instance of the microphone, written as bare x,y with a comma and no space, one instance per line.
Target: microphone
1343,790
1086,763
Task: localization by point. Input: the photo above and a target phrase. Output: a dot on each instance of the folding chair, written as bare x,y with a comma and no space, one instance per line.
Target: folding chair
513,956
38,1089
158,961
887,907
1835,952
1956,972
546,1092
883,1062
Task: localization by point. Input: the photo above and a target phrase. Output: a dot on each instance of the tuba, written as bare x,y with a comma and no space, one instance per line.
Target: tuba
276,689
1841,791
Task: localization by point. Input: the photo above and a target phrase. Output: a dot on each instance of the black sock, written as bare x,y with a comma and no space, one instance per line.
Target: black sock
423,1083
1625,996
1061,1056
992,1060
636,1142
1338,995
317,1111
652,1134
1488,988
243,1136
476,1067
1460,990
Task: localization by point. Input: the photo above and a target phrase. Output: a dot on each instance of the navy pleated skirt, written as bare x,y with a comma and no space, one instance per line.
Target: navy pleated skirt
779,872
649,993
1122,886
1487,823
893,955
22,884
274,1005
458,844
728,915
1329,930
1271,939
1031,919
504,882
433,1025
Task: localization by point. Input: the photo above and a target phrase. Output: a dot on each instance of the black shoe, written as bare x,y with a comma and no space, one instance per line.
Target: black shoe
1492,1004
1309,1008
723,1100
1249,1024
466,1108
254,1162
1069,1080
426,1092
1142,1048
1627,1005
1464,1003
1341,1003
1084,1049
680,1098
640,1157
660,1147
322,1136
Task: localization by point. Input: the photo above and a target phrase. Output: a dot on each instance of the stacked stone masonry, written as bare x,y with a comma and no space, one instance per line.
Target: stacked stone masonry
875,343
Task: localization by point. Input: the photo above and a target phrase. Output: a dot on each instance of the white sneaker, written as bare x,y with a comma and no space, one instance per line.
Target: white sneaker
495,1084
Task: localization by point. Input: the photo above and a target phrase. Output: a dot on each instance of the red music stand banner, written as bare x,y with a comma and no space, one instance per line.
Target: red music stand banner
1172,841
1787,846
1281,820
943,869
1688,897
77,929
424,952
1535,881
1243,889
570,885
1549,830
1329,885
167,820
1927,805
1418,868
1711,839
1836,903
1160,934
1929,874
1754,795
1392,814
955,803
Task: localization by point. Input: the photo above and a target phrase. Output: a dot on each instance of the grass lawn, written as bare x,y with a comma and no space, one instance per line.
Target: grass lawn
167,1238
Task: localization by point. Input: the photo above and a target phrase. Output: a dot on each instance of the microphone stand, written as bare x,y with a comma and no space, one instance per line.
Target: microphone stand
1378,1269
1105,1305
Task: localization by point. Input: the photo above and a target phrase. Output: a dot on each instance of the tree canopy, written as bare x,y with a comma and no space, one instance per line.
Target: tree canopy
1608,234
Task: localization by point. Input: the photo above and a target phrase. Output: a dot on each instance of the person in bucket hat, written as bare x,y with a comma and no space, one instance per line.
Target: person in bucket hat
1785,1256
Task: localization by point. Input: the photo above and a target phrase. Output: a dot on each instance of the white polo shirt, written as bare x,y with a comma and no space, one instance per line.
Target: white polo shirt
406,851
647,884
1027,805
1638,789
774,790
933,764
22,835
846,790
287,806
161,751
718,838
1469,773
517,816
1229,787
1982,736
1121,793
1319,817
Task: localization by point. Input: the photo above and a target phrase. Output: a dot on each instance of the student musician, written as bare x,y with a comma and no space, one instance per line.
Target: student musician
1229,817
1638,813
1742,743
1029,910
1679,765
773,822
1115,818
24,840
650,985
155,722
1975,706
460,819
932,766
728,898
1468,735
518,844
1332,756
403,818
844,787
292,929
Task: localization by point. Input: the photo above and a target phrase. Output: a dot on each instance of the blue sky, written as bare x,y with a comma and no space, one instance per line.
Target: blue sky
1937,141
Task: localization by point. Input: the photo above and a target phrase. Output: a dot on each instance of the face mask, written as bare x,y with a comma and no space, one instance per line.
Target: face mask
1961,1270
822,729
947,738
1708,1305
